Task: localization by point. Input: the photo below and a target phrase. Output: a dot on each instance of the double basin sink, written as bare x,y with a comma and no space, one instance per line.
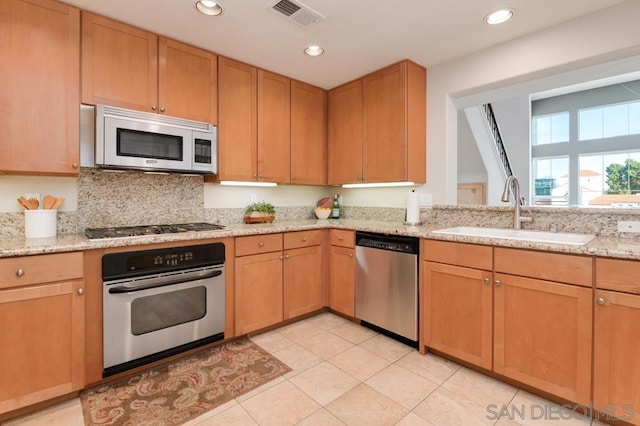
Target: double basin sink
519,234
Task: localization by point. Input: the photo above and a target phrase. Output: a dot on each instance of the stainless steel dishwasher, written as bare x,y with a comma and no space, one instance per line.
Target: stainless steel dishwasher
387,284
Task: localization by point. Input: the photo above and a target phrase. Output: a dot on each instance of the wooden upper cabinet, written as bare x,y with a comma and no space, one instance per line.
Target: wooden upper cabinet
39,70
377,127
128,67
394,124
308,134
119,64
187,81
237,132
274,122
345,134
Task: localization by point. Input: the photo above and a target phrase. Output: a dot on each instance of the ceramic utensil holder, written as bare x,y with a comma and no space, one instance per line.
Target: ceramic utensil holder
40,223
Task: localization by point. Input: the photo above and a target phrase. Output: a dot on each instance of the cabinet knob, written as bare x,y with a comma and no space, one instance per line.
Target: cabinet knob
153,107
350,254
486,280
286,256
498,283
260,244
80,291
601,301
162,109
74,165
293,178
20,272
305,239
259,176
359,178
340,238
281,257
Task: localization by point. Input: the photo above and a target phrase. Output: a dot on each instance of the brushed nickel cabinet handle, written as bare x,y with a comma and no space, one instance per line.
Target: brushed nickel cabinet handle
162,109
286,256
486,280
260,244
80,291
20,272
153,107
305,239
350,254
601,301
74,165
498,283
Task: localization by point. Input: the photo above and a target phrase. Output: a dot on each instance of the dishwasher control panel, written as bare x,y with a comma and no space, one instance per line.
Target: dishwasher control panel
397,243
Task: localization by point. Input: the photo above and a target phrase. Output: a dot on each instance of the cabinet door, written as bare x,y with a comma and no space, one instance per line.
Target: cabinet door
39,71
342,280
308,134
119,64
258,291
345,134
542,335
458,310
237,120
384,127
274,127
41,344
303,281
616,363
187,81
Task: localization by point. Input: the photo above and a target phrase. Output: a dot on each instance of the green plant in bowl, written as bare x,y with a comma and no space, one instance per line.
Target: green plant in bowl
259,212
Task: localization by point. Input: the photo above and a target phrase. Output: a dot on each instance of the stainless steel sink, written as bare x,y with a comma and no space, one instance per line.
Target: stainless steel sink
519,234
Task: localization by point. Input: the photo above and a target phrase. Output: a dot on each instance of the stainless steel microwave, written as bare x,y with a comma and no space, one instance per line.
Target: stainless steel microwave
128,139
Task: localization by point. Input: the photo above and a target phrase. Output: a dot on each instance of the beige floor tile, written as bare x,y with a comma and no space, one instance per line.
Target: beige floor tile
298,359
219,409
386,347
321,418
299,331
359,362
404,387
281,405
444,408
479,389
324,382
412,419
354,333
327,320
429,366
271,341
234,416
260,389
326,345
67,413
528,409
365,406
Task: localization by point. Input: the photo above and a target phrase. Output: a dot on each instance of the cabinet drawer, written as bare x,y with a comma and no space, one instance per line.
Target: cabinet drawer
255,244
620,275
564,268
27,270
460,254
302,239
342,238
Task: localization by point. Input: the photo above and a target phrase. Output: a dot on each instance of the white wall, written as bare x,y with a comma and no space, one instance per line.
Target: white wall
608,35
11,187
218,196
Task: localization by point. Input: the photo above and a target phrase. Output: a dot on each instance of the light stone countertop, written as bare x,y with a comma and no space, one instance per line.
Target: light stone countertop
625,248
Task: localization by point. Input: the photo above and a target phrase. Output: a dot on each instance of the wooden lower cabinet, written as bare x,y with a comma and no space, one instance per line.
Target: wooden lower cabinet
616,369
458,308
303,281
41,343
258,291
342,266
542,335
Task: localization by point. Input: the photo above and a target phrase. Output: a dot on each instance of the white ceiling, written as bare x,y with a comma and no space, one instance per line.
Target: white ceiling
359,36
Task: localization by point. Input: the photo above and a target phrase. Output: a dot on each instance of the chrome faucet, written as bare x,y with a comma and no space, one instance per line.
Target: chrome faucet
513,181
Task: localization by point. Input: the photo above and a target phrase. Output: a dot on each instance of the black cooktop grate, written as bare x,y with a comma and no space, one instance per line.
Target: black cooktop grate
134,231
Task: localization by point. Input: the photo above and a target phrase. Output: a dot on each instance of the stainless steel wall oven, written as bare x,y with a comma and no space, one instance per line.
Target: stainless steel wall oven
160,302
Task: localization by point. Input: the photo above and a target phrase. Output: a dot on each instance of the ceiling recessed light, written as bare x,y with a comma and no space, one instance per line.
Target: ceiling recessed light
498,17
314,50
208,7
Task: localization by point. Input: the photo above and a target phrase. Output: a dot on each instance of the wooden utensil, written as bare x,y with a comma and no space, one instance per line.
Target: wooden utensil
24,203
57,203
48,201
33,203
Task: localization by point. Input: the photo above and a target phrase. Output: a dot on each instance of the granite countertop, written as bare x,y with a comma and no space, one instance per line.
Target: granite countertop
626,248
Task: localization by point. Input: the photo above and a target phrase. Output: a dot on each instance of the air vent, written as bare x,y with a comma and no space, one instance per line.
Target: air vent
297,12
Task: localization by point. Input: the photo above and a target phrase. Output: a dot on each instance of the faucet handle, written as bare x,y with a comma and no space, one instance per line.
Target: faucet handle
526,219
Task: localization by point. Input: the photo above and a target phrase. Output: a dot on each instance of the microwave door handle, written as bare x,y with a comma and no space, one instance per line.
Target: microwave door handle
123,290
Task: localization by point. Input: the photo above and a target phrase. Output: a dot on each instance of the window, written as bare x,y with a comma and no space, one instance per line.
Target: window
551,181
552,128
598,161
609,121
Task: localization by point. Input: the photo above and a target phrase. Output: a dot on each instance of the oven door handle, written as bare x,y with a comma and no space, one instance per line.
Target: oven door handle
123,290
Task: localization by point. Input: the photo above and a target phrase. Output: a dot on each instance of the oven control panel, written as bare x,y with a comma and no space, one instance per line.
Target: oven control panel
144,262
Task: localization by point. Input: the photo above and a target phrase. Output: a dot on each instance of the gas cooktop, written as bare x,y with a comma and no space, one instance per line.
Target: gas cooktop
134,231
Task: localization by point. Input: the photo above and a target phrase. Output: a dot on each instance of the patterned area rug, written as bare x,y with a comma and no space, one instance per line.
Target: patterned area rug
174,393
